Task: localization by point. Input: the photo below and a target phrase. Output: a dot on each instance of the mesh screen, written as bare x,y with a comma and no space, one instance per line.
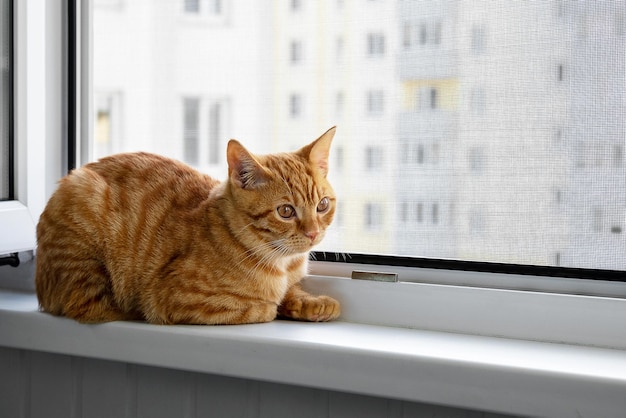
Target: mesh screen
474,130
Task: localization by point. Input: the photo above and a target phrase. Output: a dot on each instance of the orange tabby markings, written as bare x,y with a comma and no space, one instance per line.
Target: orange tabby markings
140,236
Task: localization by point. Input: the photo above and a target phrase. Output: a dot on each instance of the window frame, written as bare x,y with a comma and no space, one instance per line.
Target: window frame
37,124
487,275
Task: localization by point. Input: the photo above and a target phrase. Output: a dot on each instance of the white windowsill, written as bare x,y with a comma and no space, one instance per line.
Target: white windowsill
477,372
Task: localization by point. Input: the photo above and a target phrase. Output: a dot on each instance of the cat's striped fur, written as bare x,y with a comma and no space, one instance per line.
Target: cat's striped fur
139,236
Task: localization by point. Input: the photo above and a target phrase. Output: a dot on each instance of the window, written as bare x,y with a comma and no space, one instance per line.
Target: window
421,33
296,5
199,11
419,157
465,108
375,44
28,127
373,158
295,52
216,130
191,132
427,98
192,6
295,106
339,104
375,102
478,39
419,213
373,216
339,159
204,124
435,213
107,124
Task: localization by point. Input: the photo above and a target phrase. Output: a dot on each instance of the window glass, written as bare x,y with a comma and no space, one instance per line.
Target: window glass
5,99
482,131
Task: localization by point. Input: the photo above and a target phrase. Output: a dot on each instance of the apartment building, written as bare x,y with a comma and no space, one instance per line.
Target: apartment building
509,126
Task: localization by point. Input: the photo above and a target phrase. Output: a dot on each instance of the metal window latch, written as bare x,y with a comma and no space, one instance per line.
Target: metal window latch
12,260
375,276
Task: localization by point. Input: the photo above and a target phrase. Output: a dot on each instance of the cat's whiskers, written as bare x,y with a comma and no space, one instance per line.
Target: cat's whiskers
270,253
258,250
262,250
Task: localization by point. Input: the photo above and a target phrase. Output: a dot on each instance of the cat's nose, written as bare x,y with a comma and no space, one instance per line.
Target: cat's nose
312,234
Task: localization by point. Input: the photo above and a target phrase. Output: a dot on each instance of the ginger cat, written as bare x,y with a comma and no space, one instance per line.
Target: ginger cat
142,237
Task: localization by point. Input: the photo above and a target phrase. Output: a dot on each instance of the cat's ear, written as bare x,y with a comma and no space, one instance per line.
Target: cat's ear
317,151
243,169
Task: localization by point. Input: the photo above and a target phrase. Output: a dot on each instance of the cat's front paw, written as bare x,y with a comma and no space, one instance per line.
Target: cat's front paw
310,308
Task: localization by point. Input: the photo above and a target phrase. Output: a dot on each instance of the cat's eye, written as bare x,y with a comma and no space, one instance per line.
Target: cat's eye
286,211
323,205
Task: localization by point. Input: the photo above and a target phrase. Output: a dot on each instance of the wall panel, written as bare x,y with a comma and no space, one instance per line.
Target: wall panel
35,384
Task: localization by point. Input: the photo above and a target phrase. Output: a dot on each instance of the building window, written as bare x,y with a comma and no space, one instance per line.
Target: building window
407,35
419,157
419,213
373,158
425,33
191,130
427,98
478,39
435,213
295,106
373,216
339,158
191,6
205,9
216,121
339,48
295,5
477,159
107,124
295,52
435,153
597,219
375,102
437,33
216,7
375,44
339,104
205,127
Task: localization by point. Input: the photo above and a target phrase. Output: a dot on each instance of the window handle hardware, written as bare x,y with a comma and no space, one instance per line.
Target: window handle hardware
10,260
375,276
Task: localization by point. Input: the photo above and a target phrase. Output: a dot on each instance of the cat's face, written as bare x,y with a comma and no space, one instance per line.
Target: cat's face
285,200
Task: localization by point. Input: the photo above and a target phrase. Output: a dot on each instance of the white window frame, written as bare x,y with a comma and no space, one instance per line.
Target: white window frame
37,124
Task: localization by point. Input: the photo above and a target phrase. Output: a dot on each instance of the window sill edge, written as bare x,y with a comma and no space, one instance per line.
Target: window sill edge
494,374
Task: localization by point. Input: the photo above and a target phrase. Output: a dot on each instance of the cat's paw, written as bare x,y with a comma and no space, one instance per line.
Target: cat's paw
310,308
